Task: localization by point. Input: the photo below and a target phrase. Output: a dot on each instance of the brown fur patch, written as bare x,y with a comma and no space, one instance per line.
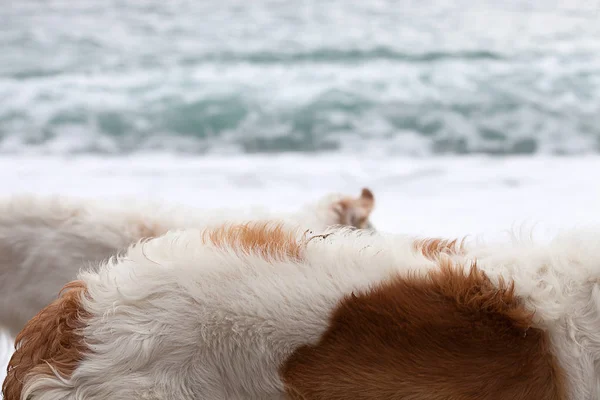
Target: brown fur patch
434,248
268,240
51,339
448,336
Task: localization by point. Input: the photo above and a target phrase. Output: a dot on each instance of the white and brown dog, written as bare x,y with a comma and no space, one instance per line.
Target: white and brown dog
262,311
45,241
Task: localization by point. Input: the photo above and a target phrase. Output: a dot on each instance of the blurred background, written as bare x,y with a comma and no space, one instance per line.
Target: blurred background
385,78
462,117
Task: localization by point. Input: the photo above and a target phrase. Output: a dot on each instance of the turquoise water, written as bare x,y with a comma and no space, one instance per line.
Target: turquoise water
367,77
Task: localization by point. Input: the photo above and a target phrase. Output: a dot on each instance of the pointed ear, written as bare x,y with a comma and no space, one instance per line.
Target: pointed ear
355,211
367,199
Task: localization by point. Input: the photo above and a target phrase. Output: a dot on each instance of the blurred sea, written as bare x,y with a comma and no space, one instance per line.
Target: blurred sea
382,77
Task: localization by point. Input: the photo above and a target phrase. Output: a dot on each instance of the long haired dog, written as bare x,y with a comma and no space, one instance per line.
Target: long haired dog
45,241
258,311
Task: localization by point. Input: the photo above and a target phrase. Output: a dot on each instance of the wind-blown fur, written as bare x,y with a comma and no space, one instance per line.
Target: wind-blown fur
45,241
218,314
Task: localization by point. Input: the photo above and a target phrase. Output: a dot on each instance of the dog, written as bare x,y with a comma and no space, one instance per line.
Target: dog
263,310
44,241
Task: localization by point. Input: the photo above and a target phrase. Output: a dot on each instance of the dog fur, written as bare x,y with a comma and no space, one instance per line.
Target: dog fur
265,311
44,241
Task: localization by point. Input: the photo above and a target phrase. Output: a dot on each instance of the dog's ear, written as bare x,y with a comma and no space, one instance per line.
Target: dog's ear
355,211
367,199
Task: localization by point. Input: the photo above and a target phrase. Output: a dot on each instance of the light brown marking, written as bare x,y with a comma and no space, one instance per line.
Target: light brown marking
433,248
145,231
51,339
450,335
266,239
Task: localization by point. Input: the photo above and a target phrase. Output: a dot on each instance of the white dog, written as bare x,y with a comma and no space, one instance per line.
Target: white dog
263,311
45,241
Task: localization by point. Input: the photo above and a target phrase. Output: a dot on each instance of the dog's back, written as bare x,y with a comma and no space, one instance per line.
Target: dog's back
45,241
258,311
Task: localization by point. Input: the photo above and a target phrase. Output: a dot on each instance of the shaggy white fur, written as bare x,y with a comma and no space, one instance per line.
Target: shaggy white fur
205,322
179,318
560,281
45,241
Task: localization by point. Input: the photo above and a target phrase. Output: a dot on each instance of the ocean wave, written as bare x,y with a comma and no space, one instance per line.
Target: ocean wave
416,116
318,56
228,77
342,56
